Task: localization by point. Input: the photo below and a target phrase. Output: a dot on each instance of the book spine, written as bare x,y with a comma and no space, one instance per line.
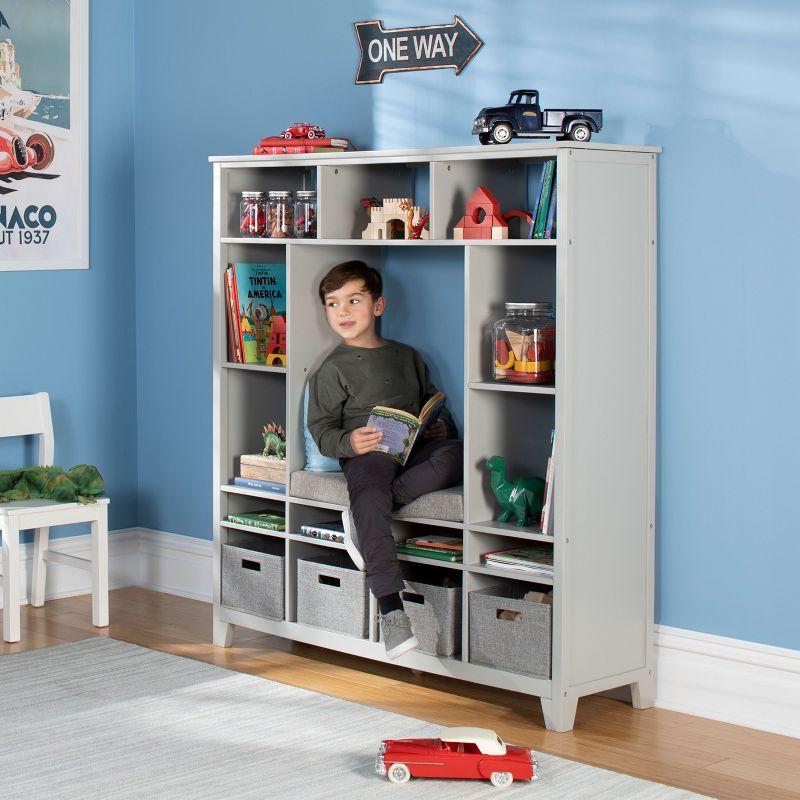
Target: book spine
293,149
549,231
266,486
231,343
541,215
546,516
253,523
236,316
536,205
236,354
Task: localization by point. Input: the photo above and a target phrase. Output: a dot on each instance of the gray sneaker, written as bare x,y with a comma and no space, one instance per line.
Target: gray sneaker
397,634
351,539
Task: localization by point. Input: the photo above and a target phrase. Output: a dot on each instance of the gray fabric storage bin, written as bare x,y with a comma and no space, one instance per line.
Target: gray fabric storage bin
332,595
253,576
522,646
436,620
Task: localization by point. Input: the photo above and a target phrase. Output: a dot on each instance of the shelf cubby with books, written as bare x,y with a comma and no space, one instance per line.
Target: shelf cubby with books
444,294
342,188
514,182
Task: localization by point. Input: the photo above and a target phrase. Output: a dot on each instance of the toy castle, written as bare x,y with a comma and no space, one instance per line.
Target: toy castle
394,218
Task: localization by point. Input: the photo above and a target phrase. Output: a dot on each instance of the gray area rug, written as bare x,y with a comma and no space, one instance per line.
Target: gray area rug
102,719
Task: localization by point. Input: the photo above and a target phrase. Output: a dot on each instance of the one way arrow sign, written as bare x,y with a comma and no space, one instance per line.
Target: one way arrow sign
410,49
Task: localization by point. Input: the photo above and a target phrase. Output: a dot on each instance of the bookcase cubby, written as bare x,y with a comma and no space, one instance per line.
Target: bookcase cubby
599,274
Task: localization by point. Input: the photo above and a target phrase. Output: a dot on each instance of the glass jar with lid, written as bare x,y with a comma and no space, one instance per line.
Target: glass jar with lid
280,214
305,214
253,214
524,344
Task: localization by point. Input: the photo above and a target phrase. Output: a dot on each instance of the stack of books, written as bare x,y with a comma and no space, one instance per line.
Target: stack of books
442,548
278,487
278,146
266,520
269,469
534,560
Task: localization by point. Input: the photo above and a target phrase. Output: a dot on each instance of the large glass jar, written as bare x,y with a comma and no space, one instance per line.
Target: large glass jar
280,215
524,344
305,214
253,214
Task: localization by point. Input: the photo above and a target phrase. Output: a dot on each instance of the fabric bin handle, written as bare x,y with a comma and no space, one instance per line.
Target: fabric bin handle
413,597
329,580
254,565
510,616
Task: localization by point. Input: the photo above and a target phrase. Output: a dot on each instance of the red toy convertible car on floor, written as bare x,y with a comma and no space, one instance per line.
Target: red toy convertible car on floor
17,155
303,130
456,753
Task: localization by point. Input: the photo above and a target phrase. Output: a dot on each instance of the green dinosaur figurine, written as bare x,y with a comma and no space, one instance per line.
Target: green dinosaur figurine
274,440
81,484
521,498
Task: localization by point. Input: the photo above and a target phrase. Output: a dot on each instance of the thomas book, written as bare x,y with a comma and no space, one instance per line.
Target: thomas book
400,429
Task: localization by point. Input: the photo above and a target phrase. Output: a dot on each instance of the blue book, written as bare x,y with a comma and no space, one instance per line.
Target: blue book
264,486
536,204
541,213
550,228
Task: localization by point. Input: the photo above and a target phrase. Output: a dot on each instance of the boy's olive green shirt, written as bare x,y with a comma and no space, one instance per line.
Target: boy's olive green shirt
353,380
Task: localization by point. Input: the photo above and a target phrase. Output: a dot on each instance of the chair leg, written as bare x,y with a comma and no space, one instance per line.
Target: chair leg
11,580
100,568
41,543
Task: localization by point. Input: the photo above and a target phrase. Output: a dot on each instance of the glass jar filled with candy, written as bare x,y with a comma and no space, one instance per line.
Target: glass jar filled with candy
305,214
253,214
280,215
524,344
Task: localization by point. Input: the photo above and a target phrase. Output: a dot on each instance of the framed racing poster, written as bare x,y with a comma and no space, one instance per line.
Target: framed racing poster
44,134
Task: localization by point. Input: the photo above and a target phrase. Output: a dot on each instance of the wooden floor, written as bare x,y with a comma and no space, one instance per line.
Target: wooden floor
707,757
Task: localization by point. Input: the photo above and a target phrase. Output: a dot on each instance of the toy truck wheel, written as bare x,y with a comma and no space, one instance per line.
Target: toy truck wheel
501,778
484,138
502,133
398,773
44,148
580,132
312,135
287,135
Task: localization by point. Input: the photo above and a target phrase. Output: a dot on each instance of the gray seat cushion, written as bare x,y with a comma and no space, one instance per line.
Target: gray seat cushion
331,487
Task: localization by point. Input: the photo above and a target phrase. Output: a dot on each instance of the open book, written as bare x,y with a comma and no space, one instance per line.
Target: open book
400,429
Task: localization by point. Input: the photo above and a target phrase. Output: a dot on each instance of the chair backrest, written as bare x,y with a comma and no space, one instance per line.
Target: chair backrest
29,415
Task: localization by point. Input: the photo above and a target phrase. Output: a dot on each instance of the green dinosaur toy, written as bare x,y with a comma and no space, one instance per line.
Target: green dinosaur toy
521,498
274,440
81,484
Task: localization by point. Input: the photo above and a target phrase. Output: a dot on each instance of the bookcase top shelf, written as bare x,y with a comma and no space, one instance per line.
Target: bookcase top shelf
521,150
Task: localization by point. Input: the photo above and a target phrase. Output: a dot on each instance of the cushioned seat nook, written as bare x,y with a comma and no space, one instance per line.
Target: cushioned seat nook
331,487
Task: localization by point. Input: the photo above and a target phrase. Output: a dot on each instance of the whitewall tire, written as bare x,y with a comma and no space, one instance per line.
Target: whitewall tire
501,778
398,773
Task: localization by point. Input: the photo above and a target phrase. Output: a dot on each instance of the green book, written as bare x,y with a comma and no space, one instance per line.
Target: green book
549,170
429,552
260,519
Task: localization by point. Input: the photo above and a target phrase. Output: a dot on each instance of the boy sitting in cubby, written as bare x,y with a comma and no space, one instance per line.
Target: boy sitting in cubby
364,371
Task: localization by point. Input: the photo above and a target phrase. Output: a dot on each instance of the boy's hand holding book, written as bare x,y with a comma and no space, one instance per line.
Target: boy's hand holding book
364,440
437,430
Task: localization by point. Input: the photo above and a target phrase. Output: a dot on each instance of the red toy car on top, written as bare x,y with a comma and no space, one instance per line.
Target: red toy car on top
303,130
456,753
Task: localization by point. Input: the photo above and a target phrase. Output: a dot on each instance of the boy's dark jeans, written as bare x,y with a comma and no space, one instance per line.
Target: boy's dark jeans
378,485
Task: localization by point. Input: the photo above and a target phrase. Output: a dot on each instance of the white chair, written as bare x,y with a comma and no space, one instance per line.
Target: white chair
28,415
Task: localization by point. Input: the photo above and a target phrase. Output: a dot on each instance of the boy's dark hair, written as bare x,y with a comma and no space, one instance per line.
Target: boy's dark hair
339,275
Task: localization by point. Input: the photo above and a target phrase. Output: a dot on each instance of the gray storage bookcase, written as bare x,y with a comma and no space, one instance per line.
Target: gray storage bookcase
600,273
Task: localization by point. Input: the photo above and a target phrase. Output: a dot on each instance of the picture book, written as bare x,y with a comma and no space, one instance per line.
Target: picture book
546,519
258,295
428,552
437,542
537,559
400,429
267,520
264,486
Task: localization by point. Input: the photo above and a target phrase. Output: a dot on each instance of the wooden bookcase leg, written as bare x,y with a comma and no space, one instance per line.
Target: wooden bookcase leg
643,692
559,713
223,633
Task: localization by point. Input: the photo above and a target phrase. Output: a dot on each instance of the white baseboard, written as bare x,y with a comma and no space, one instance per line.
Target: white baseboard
743,683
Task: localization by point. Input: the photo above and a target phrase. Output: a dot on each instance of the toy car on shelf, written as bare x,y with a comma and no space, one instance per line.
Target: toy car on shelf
477,753
522,116
303,130
17,155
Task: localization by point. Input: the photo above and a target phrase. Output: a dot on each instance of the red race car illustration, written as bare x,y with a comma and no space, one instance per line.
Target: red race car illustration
303,130
17,155
456,753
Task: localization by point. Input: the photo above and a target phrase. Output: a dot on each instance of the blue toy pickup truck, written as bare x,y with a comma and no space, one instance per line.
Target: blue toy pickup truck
522,116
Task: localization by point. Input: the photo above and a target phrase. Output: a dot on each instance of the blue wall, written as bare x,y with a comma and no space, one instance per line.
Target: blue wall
713,83
72,333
